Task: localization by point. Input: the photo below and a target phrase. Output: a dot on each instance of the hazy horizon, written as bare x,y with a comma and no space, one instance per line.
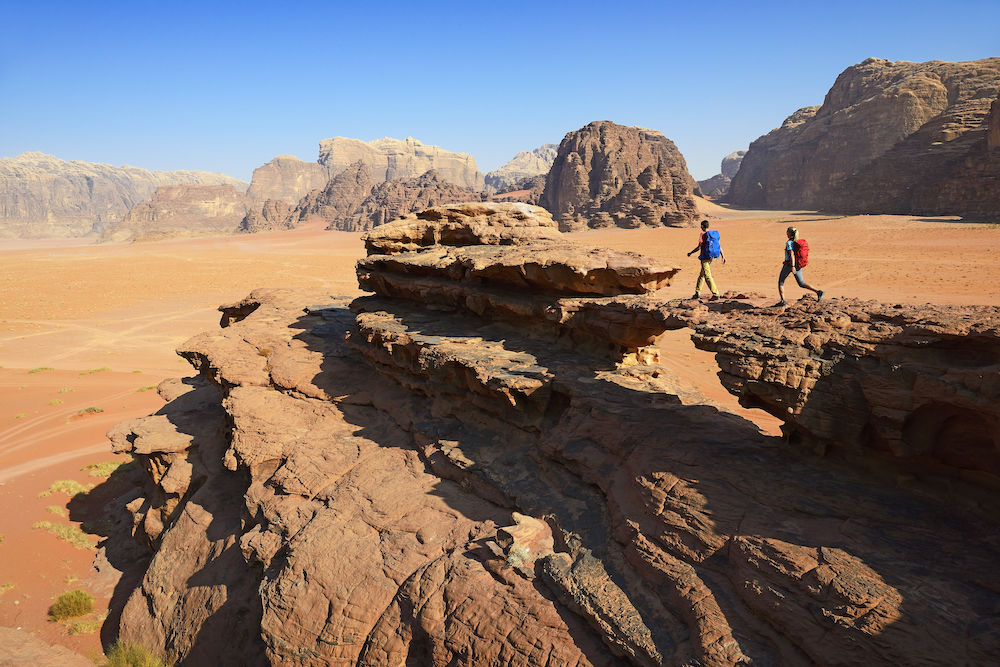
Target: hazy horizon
226,87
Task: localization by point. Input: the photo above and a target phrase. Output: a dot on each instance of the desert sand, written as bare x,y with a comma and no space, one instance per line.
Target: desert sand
106,318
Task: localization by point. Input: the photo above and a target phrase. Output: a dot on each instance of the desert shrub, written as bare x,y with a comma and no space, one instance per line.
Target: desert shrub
133,655
71,605
70,534
264,352
102,469
65,389
87,627
147,387
9,586
90,410
136,372
1,538
55,401
96,370
40,369
55,509
20,415
70,487
518,556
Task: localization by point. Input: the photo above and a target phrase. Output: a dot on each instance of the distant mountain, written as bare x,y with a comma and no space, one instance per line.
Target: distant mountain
718,185
43,196
525,164
397,160
890,137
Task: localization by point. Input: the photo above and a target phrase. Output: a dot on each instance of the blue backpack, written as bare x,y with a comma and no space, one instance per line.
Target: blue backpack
713,245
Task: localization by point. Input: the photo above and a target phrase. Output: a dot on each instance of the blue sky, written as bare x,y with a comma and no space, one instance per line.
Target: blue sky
226,86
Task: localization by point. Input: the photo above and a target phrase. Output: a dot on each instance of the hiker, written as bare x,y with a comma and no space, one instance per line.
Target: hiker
796,257
710,247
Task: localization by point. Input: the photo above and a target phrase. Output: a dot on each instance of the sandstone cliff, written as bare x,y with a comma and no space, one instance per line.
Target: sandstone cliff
286,178
340,200
524,165
718,185
275,215
177,211
43,196
485,464
394,159
607,174
887,136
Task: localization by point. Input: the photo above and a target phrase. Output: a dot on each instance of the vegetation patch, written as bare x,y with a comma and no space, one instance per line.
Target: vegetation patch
70,487
96,370
20,415
7,587
102,469
91,410
70,534
133,655
65,389
136,372
264,352
147,387
87,627
55,509
55,401
40,369
72,605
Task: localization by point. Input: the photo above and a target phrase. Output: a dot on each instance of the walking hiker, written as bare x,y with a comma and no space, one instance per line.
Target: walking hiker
710,247
796,257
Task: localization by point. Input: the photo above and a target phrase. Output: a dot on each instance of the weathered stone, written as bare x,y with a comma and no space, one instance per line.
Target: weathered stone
886,139
636,177
524,165
340,201
287,179
182,211
274,215
396,160
19,649
43,196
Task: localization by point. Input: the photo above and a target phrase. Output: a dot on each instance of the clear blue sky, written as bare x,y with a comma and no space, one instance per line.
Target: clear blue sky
226,86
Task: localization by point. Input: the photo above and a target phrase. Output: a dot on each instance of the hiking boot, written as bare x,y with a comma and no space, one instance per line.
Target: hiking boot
780,304
696,296
819,295
715,297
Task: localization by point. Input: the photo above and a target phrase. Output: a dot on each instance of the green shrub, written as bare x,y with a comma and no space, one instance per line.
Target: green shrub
65,389
55,401
133,655
40,369
147,387
86,627
137,371
20,415
96,370
70,534
71,605
102,469
91,410
70,487
55,509
7,587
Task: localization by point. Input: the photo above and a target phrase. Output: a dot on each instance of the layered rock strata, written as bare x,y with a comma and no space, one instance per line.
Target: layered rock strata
43,196
606,174
182,211
395,160
275,215
718,185
413,478
890,137
524,165
286,178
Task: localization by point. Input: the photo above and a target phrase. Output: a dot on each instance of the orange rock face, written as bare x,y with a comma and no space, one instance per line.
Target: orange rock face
410,478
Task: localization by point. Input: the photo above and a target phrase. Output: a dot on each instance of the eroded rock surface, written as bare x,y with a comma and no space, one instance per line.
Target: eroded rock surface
180,211
606,174
524,165
417,478
394,160
890,137
20,649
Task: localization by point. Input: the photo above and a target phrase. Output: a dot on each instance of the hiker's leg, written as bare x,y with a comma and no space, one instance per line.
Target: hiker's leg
802,282
706,270
785,271
702,279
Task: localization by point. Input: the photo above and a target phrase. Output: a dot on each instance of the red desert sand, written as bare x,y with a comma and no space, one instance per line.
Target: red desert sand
104,321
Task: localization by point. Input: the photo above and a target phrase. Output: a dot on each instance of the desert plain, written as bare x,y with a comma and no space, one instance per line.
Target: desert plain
87,330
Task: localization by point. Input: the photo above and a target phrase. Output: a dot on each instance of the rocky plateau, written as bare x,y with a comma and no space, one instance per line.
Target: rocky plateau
484,462
524,165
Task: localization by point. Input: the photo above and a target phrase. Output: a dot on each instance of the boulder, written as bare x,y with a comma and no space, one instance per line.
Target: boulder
610,175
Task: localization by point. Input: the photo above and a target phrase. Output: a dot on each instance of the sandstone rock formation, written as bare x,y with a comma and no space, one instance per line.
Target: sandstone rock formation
274,215
286,178
890,137
718,185
182,211
527,191
393,159
461,470
385,201
526,164
43,196
340,200
607,174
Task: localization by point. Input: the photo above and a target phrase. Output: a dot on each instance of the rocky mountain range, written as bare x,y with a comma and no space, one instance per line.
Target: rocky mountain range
610,175
890,137
484,462
524,165
43,196
397,160
718,185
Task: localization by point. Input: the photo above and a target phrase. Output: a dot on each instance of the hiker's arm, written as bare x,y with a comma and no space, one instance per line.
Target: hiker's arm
696,249
722,254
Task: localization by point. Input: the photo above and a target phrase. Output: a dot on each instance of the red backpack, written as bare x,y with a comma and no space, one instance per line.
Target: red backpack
801,250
